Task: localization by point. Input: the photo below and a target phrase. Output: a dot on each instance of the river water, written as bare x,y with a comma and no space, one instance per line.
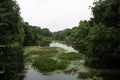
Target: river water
33,74
67,48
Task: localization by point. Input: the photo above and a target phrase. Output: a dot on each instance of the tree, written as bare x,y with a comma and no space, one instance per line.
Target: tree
78,37
36,36
11,53
104,39
107,13
62,35
9,20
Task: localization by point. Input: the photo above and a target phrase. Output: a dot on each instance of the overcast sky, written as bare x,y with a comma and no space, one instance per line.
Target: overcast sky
55,14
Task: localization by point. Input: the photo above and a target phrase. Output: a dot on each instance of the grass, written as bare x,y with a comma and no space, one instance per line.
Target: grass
35,50
49,64
44,58
28,49
49,59
32,52
71,56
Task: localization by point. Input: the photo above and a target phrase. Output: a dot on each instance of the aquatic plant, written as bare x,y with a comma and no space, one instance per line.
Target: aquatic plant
36,50
62,64
71,56
32,52
49,64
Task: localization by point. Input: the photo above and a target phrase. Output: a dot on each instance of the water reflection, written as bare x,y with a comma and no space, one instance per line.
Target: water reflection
32,74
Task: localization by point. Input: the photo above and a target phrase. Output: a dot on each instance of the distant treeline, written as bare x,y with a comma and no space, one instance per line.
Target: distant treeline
34,35
14,34
99,37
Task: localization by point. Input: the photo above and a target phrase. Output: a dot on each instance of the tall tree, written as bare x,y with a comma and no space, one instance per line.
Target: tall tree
9,20
104,37
11,54
107,13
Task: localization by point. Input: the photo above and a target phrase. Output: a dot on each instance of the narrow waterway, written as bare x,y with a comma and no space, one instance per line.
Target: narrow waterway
104,74
33,74
67,48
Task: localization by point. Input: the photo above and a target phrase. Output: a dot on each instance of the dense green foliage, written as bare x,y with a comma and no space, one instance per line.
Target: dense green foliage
71,56
11,53
104,46
99,37
61,35
36,36
49,64
9,20
107,13
78,38
104,38
11,62
14,34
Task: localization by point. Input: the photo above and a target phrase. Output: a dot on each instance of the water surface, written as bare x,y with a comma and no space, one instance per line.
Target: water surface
33,74
67,48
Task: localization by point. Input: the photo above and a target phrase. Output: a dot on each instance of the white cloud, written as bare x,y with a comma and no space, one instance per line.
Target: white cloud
55,14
